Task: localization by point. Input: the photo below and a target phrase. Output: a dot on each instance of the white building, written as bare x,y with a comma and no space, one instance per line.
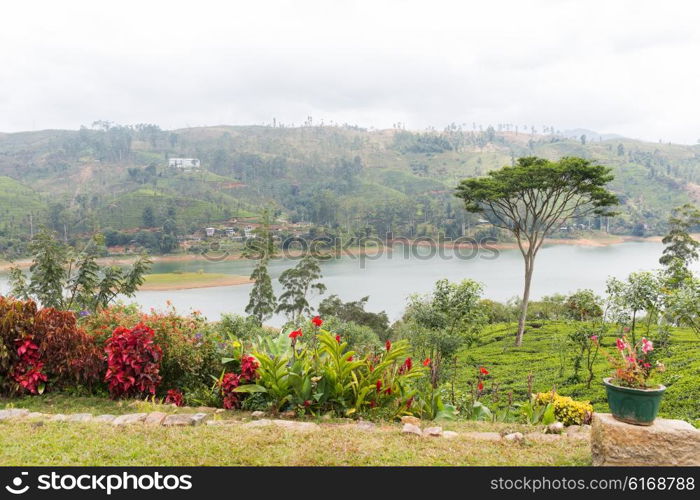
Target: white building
184,163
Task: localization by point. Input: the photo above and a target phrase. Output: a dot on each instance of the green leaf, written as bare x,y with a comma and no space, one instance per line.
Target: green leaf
250,388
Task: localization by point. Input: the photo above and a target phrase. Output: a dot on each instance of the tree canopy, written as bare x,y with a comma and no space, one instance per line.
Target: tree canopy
533,197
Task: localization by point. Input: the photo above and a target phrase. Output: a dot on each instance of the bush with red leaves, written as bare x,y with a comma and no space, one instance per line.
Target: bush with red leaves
133,362
249,366
70,355
174,397
16,322
227,384
27,371
44,347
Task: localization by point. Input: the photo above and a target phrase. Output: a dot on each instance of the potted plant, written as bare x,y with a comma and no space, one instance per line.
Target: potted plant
632,397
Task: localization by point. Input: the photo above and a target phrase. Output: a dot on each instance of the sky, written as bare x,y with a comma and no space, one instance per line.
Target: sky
614,66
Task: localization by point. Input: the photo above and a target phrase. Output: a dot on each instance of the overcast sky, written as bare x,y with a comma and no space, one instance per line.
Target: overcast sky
631,68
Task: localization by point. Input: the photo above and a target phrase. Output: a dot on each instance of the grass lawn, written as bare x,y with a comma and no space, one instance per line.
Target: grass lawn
179,281
24,443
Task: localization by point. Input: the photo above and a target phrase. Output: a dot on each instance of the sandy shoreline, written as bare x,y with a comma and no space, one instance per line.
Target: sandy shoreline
205,283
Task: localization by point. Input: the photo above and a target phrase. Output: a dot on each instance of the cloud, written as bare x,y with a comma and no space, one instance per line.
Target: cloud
625,67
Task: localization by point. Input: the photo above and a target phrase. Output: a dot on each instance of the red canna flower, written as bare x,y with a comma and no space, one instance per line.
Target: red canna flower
337,338
406,366
379,385
295,334
426,362
388,345
480,387
483,371
316,320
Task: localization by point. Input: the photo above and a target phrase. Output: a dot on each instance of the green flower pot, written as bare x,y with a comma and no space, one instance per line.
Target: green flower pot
633,406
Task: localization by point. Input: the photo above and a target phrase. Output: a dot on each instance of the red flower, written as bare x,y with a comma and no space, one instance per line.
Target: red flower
388,345
337,338
620,344
372,404
379,385
406,366
316,320
409,402
483,371
480,386
307,403
350,358
387,391
295,334
426,362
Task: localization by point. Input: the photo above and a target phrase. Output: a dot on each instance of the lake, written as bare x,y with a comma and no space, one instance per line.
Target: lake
390,278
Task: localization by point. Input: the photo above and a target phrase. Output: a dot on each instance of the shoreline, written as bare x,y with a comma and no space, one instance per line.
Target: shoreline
198,282
242,280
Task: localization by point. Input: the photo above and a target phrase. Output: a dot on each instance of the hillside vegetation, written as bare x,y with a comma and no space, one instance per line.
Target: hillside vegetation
343,179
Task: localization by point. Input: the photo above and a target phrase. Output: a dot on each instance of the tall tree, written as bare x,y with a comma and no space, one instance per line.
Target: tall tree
262,301
681,249
532,198
298,282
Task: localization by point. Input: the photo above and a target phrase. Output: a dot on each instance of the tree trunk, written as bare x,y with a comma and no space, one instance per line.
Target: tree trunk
529,265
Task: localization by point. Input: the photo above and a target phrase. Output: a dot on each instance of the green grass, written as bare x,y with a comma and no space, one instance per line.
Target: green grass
56,444
97,405
547,356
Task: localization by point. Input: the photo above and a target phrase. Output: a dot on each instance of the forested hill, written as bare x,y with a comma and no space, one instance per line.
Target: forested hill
341,178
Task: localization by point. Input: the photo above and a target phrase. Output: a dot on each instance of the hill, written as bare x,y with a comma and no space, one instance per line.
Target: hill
342,178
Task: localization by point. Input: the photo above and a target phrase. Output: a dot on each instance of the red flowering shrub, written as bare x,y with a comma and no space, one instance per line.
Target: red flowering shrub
133,362
174,397
27,371
227,384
